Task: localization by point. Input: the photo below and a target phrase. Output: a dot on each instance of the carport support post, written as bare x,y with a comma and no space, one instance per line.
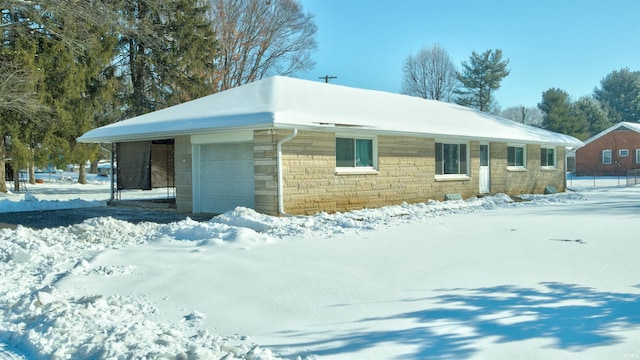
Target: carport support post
279,164
113,174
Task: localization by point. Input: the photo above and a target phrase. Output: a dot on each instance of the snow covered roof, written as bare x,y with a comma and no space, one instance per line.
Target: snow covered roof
621,125
282,102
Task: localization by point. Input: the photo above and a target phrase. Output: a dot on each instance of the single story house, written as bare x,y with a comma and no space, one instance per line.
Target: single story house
611,152
290,146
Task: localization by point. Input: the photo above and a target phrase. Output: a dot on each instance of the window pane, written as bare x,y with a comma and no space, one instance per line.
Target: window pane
519,156
484,155
511,156
451,158
438,158
345,152
463,159
364,152
606,156
547,157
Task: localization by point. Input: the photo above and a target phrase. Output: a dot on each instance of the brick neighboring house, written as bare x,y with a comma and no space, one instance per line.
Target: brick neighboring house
290,146
611,152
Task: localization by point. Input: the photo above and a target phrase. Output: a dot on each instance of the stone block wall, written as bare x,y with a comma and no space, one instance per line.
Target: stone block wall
265,170
405,173
532,180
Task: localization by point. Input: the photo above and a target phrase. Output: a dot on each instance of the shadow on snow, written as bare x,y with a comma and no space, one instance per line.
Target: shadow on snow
573,318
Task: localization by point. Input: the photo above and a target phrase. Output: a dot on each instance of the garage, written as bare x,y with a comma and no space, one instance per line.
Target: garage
226,177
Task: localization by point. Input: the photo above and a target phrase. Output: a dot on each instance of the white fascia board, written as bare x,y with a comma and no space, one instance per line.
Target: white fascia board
371,131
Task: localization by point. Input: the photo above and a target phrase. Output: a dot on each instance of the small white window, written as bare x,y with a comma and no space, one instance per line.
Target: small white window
623,152
548,158
606,156
516,156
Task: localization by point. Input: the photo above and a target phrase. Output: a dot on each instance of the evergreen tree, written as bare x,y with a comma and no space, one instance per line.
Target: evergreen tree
589,109
166,53
559,114
619,95
480,77
64,51
190,52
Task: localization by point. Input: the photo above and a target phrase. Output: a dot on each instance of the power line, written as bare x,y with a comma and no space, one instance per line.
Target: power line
327,77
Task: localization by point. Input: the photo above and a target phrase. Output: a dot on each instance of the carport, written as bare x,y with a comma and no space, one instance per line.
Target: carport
144,165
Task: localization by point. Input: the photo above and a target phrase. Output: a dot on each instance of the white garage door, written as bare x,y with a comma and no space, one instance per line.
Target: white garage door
226,177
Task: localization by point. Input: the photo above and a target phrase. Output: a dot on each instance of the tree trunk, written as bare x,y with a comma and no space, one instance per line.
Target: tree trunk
82,174
3,174
32,173
94,167
16,177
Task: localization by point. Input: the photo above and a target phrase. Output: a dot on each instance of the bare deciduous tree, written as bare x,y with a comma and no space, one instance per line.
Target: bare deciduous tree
430,74
16,97
15,93
528,116
259,38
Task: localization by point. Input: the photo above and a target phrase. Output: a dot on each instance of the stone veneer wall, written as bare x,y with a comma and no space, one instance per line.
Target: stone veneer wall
406,173
265,169
184,181
533,180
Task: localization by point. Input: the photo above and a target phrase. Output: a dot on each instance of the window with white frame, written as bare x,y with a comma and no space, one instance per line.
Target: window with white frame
623,152
548,157
354,152
516,156
606,156
451,159
637,156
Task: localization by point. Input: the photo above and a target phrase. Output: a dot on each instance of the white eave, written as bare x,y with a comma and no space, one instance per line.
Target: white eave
628,125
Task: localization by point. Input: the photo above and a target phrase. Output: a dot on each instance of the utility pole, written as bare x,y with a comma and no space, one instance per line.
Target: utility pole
327,77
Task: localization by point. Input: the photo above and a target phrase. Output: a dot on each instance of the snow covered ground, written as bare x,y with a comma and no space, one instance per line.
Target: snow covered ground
553,277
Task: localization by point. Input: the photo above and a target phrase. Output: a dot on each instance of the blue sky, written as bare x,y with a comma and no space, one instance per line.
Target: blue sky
566,44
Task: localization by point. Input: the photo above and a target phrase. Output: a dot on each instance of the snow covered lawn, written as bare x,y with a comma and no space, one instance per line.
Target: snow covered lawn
554,277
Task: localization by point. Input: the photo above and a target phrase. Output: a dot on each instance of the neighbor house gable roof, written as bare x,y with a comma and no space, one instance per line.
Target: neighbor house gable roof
619,126
282,102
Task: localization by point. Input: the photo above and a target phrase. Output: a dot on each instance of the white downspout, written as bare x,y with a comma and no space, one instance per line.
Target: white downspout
279,165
